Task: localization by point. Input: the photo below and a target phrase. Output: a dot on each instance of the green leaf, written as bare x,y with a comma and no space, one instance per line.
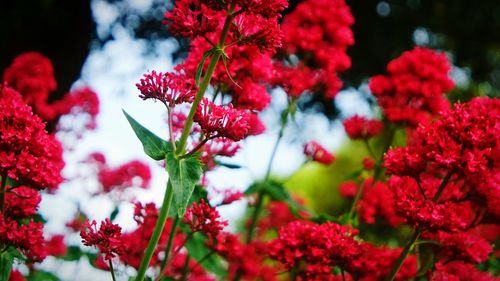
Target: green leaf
184,174
115,213
154,146
196,247
6,260
224,62
40,275
228,165
199,69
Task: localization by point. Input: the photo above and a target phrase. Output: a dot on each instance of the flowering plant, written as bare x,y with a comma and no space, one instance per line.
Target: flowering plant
436,198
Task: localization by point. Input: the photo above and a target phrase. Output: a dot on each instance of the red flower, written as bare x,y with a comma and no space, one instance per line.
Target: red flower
413,91
251,96
191,18
16,276
256,125
107,239
459,271
201,217
358,127
28,154
56,246
318,153
133,173
21,202
325,244
28,238
169,88
376,263
222,121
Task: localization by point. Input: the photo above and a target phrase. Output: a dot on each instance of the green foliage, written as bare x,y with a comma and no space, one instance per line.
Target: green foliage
196,247
184,174
154,146
6,260
40,275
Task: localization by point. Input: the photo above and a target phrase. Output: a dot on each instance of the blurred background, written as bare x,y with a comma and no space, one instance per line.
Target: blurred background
109,44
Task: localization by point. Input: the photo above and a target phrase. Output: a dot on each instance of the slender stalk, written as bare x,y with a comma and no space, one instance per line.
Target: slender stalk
160,224
376,173
441,187
417,232
2,192
170,242
402,256
112,270
206,81
343,273
170,127
185,268
260,198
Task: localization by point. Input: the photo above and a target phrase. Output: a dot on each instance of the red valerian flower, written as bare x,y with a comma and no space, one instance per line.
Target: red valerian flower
107,238
169,88
133,173
413,91
250,29
324,244
378,201
202,217
256,127
191,18
218,147
358,127
176,269
56,246
368,163
318,153
32,75
376,263
266,8
28,154
459,271
318,32
245,260
27,238
462,246
21,202
16,276
222,121
251,95
422,212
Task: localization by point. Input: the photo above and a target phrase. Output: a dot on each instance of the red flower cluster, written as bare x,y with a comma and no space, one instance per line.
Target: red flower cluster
326,244
107,238
27,152
413,91
203,218
459,271
463,143
133,173
21,201
376,263
318,153
176,269
318,33
169,88
28,238
32,75
222,121
218,147
358,127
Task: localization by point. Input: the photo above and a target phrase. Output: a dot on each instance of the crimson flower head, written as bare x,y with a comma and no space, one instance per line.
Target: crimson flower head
222,121
259,31
321,244
318,153
201,217
28,154
191,18
414,89
358,127
107,238
169,88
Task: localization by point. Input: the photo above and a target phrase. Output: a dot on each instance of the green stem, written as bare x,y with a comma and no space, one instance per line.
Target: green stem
160,224
170,242
2,192
441,187
112,270
403,255
260,198
206,81
376,173
185,268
